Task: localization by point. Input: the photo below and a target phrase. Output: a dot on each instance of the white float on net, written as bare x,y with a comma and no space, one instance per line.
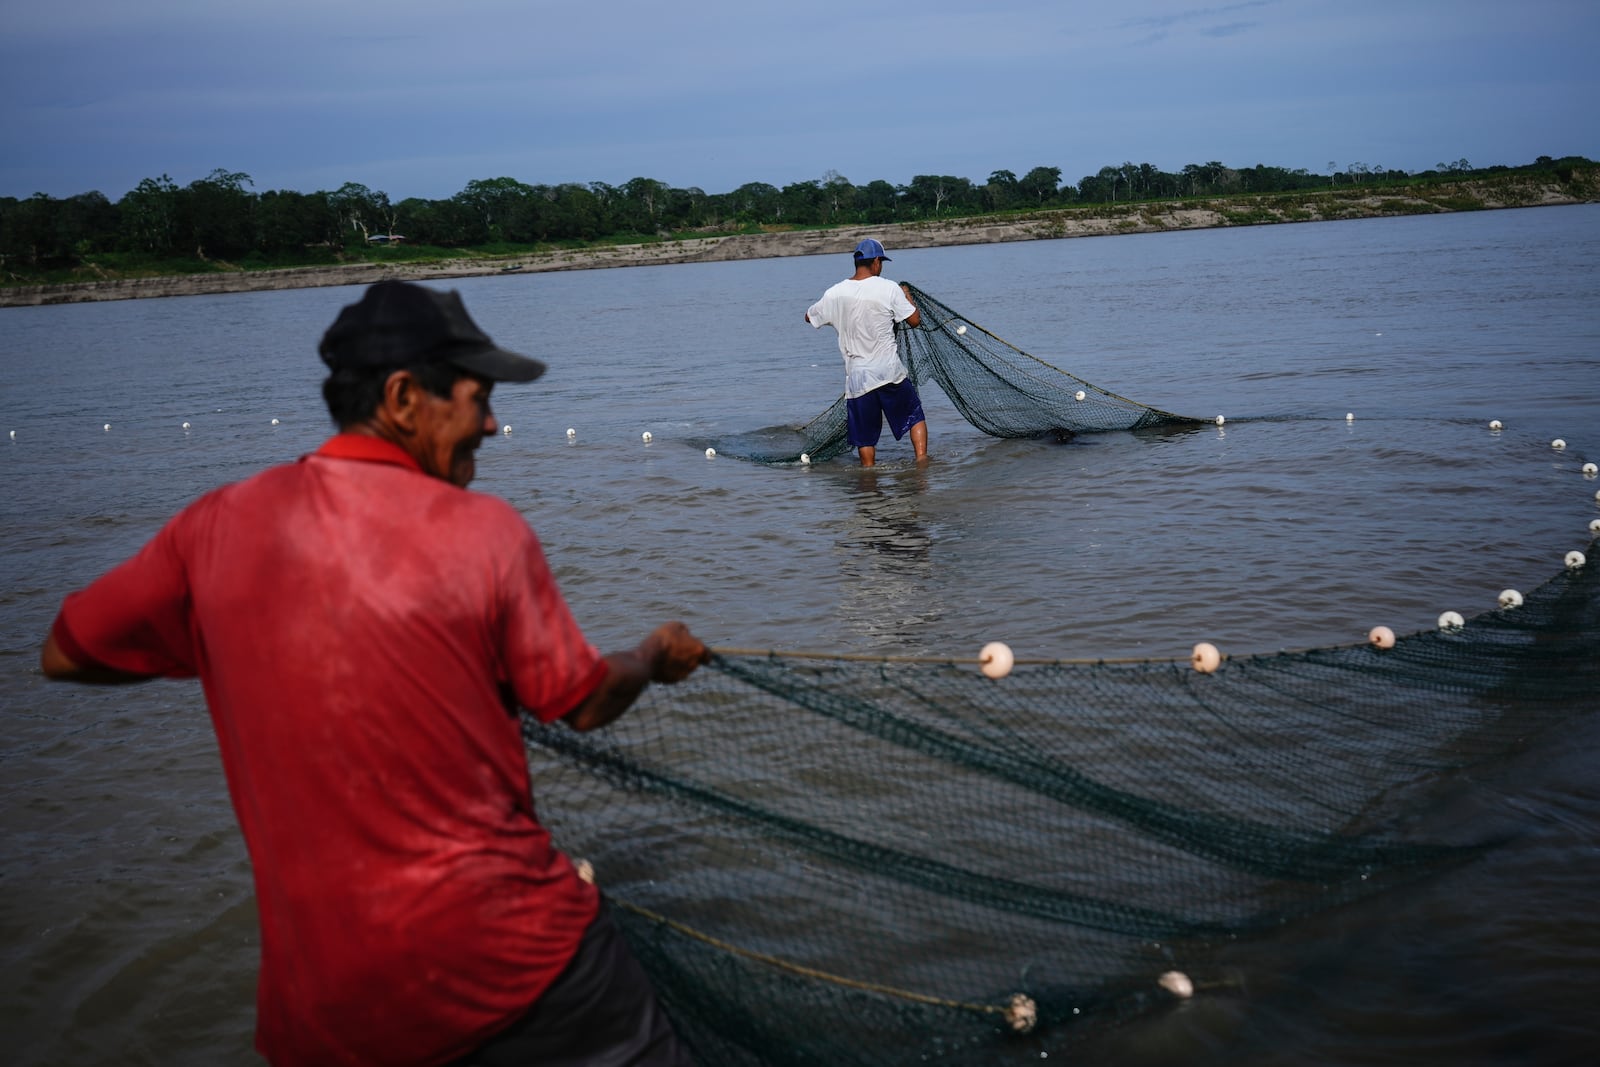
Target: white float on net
996,659
1178,984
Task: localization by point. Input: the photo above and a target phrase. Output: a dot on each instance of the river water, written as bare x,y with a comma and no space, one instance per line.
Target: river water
126,915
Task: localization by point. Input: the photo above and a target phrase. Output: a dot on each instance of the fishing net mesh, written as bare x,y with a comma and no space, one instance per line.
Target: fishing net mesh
838,860
996,386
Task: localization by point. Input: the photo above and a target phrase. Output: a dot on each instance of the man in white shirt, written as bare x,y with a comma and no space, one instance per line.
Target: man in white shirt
863,309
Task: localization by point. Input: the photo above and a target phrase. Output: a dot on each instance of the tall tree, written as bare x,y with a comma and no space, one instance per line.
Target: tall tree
494,203
801,203
1040,184
290,222
359,209
880,202
1002,190
936,194
646,199
756,202
221,214
838,196
150,215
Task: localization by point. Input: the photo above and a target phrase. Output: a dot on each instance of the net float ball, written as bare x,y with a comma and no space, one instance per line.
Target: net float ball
1510,598
571,432
1575,559
961,330
106,427
711,453
1496,425
805,458
506,429
1221,420
1381,637
1079,395
1590,470
1594,527
1205,657
1558,444
1451,620
645,437
274,422
14,433
1349,416
996,659
1178,984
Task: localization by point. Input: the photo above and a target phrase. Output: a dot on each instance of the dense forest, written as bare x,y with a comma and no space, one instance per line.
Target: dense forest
220,221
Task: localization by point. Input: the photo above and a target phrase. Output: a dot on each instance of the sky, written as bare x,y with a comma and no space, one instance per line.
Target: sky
416,99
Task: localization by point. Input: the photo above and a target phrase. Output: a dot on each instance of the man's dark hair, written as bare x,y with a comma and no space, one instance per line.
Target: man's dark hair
353,395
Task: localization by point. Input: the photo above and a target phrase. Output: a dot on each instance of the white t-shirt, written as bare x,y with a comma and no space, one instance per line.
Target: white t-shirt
864,313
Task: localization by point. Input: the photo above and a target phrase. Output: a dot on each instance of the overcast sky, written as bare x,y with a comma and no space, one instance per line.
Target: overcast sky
418,98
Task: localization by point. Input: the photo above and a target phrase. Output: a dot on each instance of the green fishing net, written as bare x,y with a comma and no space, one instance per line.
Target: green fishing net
851,860
1000,389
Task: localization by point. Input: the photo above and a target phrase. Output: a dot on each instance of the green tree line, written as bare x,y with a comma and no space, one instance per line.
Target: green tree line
222,218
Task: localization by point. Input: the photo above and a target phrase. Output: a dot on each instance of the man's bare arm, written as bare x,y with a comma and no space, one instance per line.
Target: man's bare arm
915,318
669,654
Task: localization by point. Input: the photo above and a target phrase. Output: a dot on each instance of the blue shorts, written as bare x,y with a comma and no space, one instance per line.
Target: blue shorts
898,402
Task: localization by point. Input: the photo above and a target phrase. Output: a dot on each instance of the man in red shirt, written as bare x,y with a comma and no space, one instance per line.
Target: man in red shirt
365,629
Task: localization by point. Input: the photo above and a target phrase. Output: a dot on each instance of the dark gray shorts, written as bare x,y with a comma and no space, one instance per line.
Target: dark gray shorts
601,1012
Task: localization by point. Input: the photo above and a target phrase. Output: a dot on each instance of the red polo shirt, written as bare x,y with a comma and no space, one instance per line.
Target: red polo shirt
359,629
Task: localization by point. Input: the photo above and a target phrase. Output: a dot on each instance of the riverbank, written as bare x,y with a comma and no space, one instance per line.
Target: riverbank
1090,221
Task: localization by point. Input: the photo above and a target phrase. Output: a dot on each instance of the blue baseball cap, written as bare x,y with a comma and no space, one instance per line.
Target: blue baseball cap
870,249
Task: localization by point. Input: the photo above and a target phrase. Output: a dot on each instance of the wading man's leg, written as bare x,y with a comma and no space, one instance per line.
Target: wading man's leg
919,441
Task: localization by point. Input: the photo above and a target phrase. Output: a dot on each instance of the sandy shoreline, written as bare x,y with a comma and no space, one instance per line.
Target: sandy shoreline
1143,217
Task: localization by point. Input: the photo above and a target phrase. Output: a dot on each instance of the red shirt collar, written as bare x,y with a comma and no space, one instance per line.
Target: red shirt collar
370,449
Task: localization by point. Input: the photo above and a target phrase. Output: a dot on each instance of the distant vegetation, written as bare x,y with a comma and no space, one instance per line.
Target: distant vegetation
220,223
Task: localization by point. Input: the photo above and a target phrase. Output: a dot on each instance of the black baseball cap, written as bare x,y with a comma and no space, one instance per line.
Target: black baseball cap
400,324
